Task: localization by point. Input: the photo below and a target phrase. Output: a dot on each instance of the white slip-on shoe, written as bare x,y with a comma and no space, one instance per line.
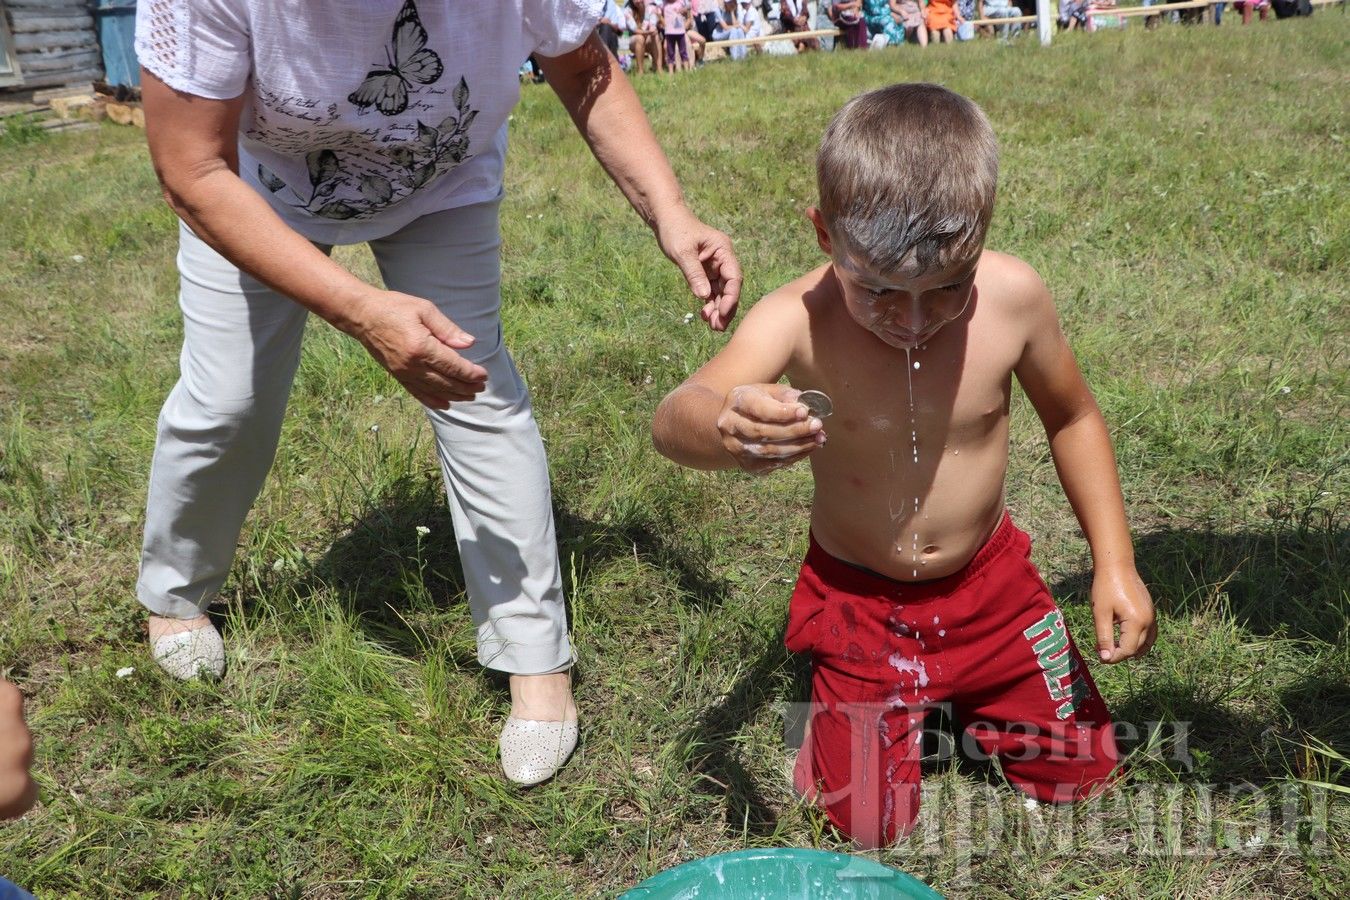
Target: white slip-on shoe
191,654
534,751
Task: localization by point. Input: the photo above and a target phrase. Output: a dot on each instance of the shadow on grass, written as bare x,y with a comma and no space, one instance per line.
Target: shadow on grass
383,566
716,756
1288,582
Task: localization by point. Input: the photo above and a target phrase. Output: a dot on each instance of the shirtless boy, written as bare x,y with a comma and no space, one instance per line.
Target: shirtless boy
917,588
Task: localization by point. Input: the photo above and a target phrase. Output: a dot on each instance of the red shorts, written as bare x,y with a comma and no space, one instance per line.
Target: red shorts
987,640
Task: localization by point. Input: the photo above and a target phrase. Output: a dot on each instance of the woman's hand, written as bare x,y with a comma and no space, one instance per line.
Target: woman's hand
416,343
606,111
764,428
709,265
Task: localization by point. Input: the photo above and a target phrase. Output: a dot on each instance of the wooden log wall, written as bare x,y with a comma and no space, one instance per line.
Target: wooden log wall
56,41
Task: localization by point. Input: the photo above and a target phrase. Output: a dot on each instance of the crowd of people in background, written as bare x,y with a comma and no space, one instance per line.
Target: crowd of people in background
674,35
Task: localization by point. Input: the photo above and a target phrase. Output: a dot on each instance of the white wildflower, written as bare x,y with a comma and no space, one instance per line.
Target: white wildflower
423,530
126,671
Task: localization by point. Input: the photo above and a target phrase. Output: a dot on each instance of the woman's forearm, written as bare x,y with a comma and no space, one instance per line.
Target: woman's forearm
240,225
193,145
606,110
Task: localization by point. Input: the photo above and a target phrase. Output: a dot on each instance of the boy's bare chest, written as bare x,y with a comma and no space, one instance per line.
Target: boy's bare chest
884,397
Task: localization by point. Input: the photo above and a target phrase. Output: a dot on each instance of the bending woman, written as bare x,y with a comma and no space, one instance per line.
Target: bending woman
272,148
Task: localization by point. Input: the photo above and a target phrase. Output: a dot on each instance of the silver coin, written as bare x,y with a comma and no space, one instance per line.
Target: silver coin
819,404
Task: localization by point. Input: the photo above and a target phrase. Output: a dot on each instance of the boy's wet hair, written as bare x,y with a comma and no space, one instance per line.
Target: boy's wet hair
907,175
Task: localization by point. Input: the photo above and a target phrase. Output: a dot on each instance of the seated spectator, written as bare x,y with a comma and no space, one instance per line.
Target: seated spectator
736,20
999,9
908,16
705,18
698,44
847,15
530,70
882,24
1074,14
610,26
1247,7
1103,14
966,11
942,19
824,22
773,16
644,22
796,17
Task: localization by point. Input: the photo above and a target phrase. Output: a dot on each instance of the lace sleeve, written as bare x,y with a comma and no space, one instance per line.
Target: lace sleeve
200,47
556,27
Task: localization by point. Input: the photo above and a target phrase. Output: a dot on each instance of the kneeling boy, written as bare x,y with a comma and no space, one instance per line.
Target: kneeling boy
918,588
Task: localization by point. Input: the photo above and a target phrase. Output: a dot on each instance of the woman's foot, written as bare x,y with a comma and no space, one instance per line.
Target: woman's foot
187,648
541,732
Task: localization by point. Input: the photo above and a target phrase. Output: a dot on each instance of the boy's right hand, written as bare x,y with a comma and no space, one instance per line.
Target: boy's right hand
764,428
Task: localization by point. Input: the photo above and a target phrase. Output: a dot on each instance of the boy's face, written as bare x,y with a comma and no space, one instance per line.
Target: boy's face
903,309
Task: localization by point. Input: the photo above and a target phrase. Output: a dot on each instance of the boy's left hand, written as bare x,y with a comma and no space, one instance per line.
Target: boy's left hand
1120,598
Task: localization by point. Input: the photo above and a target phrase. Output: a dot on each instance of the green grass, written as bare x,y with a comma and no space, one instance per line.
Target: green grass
1184,193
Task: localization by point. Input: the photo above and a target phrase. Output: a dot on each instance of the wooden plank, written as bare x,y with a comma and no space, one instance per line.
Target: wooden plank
45,40
61,77
82,21
782,36
26,7
35,63
1013,20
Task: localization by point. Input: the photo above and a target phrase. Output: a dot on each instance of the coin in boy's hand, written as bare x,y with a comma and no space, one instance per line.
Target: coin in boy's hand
819,404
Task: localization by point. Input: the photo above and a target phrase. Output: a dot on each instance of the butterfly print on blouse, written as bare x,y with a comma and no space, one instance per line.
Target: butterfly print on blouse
408,62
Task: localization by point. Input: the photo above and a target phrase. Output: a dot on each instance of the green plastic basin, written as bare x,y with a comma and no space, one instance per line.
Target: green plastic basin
782,872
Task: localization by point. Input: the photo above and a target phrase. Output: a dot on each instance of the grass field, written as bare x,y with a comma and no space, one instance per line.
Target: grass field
1186,195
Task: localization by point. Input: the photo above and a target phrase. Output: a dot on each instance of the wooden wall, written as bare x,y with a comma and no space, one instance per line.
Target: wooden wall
56,41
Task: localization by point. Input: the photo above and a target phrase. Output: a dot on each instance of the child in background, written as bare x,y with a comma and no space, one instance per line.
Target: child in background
909,17
677,48
918,589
